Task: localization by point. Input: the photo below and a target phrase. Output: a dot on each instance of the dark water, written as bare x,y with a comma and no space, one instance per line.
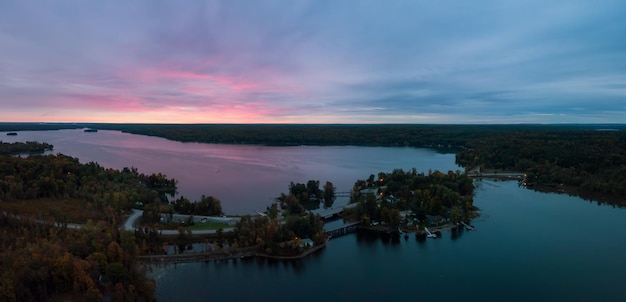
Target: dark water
529,246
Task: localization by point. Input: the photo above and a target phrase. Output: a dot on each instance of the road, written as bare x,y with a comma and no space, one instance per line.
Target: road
130,223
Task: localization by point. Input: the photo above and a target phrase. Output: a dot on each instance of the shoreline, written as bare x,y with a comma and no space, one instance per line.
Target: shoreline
223,255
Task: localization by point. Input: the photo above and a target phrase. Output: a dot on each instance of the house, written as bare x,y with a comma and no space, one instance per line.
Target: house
307,243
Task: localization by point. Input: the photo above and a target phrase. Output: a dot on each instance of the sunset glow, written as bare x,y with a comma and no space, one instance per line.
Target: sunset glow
313,62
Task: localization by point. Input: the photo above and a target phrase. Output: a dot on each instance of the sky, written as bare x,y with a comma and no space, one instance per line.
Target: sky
297,61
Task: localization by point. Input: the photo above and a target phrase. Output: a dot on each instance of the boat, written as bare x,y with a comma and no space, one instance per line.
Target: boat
12,133
90,130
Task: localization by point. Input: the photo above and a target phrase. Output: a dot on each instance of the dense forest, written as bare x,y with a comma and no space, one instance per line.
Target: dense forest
279,237
381,198
445,137
288,221
23,148
43,262
590,164
43,256
60,176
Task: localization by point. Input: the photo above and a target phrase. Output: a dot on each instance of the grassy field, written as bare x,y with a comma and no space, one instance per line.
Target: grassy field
198,226
208,226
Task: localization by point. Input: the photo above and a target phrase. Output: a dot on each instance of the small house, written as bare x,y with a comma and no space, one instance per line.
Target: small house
307,243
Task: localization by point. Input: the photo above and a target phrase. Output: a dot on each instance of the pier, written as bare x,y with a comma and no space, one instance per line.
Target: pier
469,227
429,234
343,230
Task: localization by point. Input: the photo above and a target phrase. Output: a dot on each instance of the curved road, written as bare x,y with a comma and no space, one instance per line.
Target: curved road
129,225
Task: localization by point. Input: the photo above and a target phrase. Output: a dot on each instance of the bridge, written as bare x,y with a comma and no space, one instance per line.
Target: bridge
332,212
494,174
343,230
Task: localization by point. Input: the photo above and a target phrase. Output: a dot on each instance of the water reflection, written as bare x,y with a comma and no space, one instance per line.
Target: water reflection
420,237
505,253
456,232
365,237
245,178
370,237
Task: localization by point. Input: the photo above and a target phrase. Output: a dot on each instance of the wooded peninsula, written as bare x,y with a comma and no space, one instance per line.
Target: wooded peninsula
43,197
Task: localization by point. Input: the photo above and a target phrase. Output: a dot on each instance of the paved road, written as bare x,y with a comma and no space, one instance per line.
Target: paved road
130,223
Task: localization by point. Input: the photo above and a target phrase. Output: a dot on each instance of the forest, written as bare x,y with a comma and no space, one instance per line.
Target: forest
288,221
381,198
42,257
23,148
586,163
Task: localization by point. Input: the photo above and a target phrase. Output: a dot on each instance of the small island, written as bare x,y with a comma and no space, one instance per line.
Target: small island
408,201
90,130
12,133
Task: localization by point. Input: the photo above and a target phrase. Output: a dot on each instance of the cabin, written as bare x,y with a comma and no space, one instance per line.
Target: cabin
307,243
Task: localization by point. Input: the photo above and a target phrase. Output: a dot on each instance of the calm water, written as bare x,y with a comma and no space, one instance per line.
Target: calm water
529,246
245,178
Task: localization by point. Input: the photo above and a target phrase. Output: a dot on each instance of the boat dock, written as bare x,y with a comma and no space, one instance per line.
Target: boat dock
429,234
469,227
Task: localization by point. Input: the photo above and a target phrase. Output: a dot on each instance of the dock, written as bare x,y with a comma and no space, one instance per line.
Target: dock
469,227
343,230
429,234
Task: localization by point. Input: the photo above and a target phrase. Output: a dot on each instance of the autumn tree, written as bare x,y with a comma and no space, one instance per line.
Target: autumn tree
329,194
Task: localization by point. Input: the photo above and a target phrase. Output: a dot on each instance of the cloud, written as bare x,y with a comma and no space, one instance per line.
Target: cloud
313,61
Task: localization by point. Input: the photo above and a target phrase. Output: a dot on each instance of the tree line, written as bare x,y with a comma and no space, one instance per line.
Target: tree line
587,163
23,148
61,176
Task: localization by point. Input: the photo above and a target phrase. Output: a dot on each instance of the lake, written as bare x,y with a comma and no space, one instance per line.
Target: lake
529,246
243,177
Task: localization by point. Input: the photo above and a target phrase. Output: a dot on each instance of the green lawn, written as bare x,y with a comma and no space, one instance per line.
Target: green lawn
208,226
